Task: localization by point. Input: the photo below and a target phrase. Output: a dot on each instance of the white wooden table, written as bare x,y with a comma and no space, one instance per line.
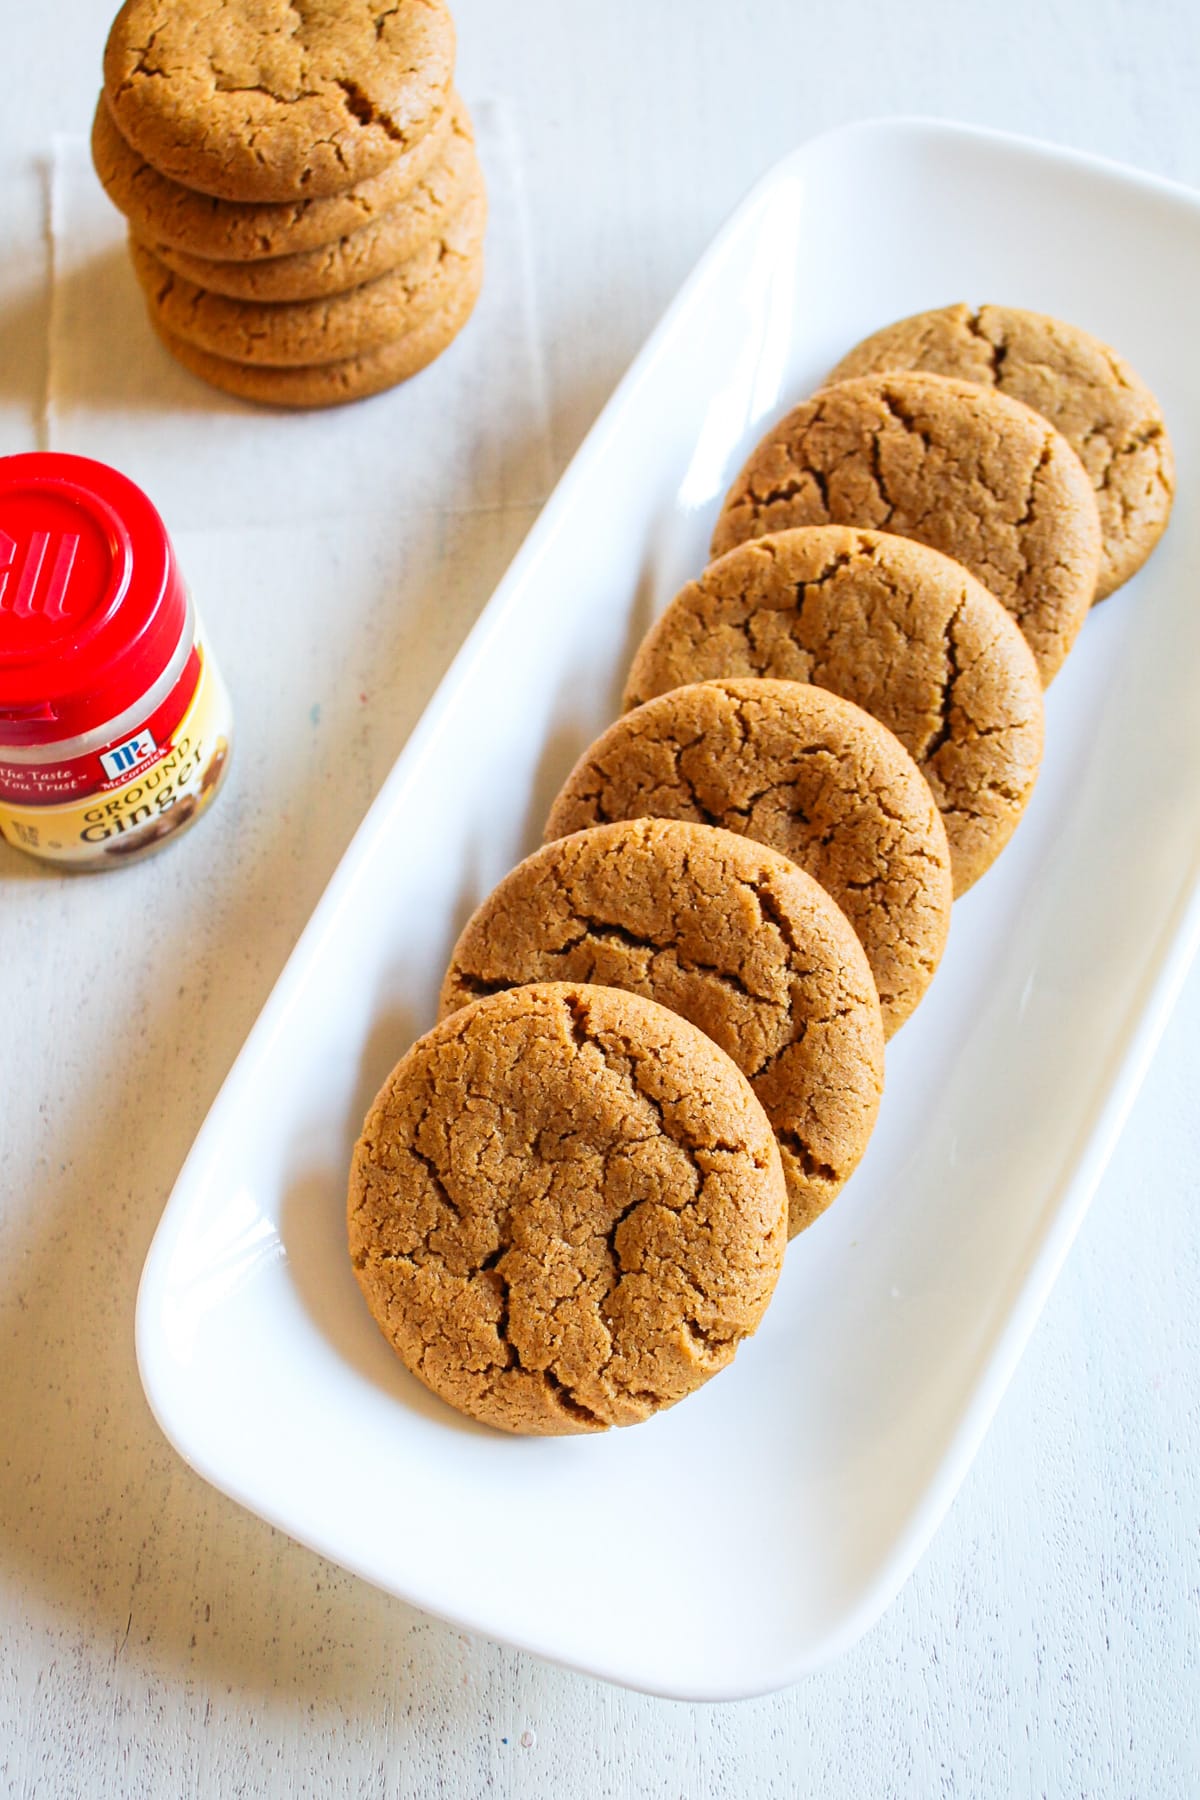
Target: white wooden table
156,1640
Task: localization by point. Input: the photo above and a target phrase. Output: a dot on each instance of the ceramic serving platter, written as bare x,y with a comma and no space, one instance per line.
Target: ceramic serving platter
740,1539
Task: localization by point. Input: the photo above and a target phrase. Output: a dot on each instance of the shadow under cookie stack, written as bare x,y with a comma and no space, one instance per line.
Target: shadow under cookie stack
306,210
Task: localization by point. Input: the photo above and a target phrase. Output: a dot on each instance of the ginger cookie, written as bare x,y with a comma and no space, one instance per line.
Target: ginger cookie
956,466
808,774
730,935
1101,406
335,383
391,238
264,100
901,630
300,333
566,1209
162,211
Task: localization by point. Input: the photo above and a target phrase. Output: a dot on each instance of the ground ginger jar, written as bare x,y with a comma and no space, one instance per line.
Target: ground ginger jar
115,726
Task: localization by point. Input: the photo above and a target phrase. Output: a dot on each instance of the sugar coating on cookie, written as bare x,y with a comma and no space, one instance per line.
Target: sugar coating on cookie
424,216
730,935
805,772
303,333
957,466
163,211
1100,404
566,1209
264,100
904,632
335,383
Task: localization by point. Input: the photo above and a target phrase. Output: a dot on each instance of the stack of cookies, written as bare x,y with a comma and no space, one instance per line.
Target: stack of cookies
306,211
661,1047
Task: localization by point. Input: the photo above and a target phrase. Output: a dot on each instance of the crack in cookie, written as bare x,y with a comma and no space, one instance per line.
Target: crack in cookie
1088,393
902,631
618,1191
812,776
384,242
274,102
728,934
954,465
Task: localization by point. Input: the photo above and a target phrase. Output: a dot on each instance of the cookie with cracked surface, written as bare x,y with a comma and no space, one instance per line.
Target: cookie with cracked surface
301,333
162,211
566,1209
730,935
334,383
901,630
391,238
959,467
1102,407
267,100
805,772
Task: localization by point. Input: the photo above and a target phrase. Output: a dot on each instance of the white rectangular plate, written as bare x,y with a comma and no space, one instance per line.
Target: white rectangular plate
738,1540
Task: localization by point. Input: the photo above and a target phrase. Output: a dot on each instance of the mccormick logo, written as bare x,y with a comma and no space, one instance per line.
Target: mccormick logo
23,591
128,755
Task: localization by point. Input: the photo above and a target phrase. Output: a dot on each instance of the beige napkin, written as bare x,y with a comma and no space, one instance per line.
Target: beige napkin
469,431
338,558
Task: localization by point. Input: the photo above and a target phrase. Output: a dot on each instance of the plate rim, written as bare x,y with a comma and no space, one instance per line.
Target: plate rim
1115,1093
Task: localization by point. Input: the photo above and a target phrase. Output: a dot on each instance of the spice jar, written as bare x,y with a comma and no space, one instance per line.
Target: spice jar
115,726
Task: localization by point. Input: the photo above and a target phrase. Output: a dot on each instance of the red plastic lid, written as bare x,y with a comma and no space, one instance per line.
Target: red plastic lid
92,605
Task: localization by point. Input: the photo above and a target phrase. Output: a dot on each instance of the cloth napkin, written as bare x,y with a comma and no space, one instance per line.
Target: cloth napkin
470,431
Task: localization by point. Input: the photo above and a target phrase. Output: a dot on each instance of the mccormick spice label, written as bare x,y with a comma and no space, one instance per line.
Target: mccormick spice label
127,796
114,723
